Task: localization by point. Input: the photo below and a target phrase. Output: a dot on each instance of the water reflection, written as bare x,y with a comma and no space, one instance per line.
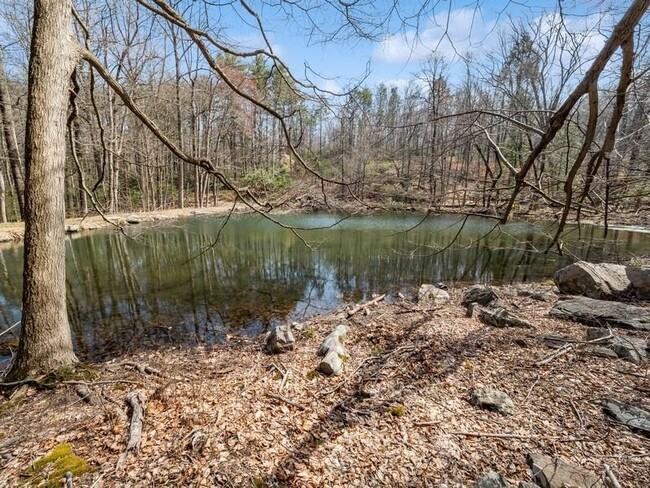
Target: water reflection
176,284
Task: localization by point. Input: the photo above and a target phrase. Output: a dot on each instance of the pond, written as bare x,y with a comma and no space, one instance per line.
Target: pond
187,282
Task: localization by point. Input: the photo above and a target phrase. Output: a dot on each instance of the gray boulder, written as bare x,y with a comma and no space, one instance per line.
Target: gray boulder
631,349
602,281
491,399
498,317
492,479
633,417
480,294
557,473
603,313
432,295
72,229
133,219
280,339
640,282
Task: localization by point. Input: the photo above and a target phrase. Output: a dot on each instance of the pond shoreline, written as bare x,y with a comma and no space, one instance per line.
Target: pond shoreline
13,232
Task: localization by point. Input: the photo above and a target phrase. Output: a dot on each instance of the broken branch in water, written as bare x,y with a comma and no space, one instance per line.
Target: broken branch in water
363,306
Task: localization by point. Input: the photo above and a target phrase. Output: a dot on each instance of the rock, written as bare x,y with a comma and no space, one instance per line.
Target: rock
500,317
280,339
557,473
594,333
640,282
432,295
633,417
602,281
630,349
473,310
601,351
480,294
331,364
491,399
72,229
492,479
601,313
541,296
334,341
6,237
133,219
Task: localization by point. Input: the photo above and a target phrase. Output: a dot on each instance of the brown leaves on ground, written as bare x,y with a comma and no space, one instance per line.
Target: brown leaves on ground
398,416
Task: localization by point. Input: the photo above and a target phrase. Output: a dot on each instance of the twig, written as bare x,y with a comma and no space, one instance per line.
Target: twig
28,381
530,390
427,423
495,435
286,400
98,383
96,482
577,414
338,387
569,347
363,306
637,375
7,330
143,368
610,478
284,374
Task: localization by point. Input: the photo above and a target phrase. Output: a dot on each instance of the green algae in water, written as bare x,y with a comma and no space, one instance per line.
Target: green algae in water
48,471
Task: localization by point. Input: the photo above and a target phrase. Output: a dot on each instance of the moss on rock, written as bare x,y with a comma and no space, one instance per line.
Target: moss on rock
50,469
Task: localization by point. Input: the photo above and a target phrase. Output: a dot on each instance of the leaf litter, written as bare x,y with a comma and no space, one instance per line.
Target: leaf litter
399,415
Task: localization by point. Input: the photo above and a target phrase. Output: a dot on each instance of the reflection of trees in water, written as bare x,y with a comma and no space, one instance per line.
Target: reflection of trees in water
176,285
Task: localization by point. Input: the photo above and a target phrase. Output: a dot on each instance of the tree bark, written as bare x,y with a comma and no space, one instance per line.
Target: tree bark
45,341
3,207
9,132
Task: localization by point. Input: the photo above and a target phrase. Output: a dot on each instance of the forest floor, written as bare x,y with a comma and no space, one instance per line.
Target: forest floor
399,415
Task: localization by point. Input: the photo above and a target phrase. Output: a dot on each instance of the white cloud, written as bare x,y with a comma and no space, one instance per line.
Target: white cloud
450,34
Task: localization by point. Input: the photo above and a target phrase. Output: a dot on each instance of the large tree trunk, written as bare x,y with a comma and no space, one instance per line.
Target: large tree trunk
9,132
45,341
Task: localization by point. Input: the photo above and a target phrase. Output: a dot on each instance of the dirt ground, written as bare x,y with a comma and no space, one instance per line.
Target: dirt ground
399,415
15,230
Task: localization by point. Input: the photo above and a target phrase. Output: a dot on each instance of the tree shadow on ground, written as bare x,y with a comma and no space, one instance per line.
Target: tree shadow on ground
411,359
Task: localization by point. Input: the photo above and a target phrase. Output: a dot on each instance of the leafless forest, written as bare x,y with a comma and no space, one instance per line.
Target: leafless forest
474,136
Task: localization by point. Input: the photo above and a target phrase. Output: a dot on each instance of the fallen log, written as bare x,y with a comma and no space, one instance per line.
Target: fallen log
363,306
135,400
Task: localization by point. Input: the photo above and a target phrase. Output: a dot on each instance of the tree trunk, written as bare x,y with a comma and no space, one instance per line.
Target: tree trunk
9,132
45,340
3,208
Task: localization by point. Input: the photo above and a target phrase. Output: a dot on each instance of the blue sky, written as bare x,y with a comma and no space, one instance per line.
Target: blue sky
449,29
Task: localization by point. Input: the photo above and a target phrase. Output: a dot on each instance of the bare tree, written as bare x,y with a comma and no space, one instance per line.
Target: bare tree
45,340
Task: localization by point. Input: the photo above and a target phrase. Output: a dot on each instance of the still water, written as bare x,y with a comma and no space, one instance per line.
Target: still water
186,282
